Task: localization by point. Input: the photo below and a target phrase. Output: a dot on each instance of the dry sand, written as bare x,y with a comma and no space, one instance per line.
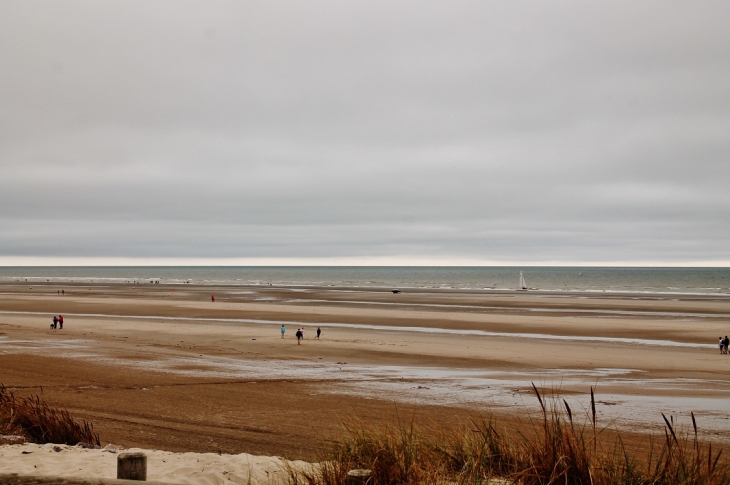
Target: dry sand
162,466
157,367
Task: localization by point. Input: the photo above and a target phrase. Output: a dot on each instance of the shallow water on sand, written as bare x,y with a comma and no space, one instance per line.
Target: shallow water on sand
636,406
393,328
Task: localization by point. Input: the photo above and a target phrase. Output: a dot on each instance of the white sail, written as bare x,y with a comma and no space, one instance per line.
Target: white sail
523,285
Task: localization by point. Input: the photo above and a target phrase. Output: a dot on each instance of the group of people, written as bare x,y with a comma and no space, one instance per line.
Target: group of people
299,334
724,342
57,322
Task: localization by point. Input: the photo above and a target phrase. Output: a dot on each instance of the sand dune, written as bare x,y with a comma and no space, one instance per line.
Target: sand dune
162,466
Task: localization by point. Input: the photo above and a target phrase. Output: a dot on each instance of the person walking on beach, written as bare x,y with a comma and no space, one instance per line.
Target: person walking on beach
60,322
726,343
55,322
299,336
722,345
319,332
212,297
283,331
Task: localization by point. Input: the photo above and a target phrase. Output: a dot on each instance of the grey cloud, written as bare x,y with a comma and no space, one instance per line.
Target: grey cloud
553,131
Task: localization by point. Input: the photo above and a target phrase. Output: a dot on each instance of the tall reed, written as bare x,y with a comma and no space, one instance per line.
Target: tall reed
35,421
556,448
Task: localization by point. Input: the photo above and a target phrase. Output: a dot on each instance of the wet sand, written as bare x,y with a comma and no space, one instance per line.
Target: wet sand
157,367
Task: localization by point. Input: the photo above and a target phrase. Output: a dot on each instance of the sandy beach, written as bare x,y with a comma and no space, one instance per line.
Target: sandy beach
161,367
162,466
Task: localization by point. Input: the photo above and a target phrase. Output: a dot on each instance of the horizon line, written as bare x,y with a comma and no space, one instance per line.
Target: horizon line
391,261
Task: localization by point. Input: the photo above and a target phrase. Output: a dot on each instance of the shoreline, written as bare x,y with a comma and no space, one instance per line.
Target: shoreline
552,292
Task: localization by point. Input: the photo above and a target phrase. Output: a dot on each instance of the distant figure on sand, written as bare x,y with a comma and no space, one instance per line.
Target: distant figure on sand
60,322
721,343
726,343
299,336
55,322
283,331
319,332
212,297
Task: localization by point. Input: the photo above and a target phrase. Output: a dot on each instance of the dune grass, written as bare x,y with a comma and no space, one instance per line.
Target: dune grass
555,449
35,421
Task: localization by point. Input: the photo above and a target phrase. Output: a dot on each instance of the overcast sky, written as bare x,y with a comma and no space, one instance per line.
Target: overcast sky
398,132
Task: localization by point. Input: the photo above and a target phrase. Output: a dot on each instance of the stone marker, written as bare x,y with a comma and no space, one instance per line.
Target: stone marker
360,476
132,466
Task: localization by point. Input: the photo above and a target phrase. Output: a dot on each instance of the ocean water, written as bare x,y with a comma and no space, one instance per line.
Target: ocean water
707,281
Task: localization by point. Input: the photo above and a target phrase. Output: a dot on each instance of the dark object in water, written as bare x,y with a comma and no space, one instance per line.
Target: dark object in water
396,291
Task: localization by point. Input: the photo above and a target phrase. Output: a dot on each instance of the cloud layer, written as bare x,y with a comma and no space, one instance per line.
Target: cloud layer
498,132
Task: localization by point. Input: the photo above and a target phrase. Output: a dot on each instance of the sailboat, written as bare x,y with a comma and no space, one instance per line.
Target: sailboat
523,285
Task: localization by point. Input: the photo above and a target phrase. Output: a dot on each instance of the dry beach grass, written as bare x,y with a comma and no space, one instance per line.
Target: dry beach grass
31,419
555,449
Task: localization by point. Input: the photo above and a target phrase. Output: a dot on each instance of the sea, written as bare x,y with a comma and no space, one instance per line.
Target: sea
700,281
